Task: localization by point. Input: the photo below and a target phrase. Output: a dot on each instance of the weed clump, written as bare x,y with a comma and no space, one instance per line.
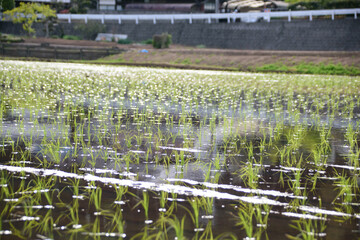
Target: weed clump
162,41
124,41
147,41
71,37
9,38
90,30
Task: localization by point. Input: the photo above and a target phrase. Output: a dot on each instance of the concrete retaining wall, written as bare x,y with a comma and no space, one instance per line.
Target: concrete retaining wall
319,34
50,52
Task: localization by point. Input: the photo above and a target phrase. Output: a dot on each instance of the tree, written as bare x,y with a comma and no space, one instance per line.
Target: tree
28,13
7,4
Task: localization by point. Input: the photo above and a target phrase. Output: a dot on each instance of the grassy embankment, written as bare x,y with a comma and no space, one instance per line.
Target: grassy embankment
310,68
301,68
158,59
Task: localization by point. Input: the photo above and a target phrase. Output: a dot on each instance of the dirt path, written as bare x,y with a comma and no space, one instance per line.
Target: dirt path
206,57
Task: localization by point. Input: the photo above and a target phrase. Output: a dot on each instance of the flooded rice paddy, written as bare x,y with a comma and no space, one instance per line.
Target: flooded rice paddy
96,152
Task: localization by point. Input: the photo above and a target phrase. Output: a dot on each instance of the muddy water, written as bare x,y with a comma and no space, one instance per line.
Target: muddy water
123,169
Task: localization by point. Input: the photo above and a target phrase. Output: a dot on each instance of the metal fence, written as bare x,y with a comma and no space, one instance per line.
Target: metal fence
210,17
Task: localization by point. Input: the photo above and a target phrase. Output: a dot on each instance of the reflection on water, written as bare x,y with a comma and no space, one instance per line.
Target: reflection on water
100,152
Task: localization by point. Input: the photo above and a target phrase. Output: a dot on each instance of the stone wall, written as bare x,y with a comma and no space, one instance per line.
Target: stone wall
319,34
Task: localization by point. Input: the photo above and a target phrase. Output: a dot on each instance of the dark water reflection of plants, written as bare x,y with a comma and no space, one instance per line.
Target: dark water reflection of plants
133,153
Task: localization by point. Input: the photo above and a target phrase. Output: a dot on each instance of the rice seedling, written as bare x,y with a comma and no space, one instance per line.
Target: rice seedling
207,233
95,198
195,204
92,142
347,187
247,214
250,174
46,224
118,222
310,228
145,204
177,225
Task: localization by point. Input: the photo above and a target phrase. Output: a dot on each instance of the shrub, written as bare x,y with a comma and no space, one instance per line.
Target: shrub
342,4
80,6
162,41
90,30
124,41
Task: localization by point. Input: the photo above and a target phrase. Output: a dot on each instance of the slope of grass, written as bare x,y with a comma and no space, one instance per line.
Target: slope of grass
311,68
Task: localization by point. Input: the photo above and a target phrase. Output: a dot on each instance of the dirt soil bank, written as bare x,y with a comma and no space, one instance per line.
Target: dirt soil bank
192,57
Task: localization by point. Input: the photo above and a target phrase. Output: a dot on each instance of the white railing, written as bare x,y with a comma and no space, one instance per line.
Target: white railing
210,17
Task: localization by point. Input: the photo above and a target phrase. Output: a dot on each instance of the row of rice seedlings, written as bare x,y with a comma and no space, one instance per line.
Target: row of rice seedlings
235,97
32,214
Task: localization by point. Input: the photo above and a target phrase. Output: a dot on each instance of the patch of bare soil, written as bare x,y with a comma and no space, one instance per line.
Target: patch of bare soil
178,55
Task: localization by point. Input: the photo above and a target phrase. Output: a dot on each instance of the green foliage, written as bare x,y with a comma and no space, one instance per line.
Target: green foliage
162,41
309,229
124,41
80,6
201,46
248,214
147,41
27,14
7,5
296,5
71,37
177,225
310,68
90,30
31,87
323,4
10,38
342,4
185,61
49,25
